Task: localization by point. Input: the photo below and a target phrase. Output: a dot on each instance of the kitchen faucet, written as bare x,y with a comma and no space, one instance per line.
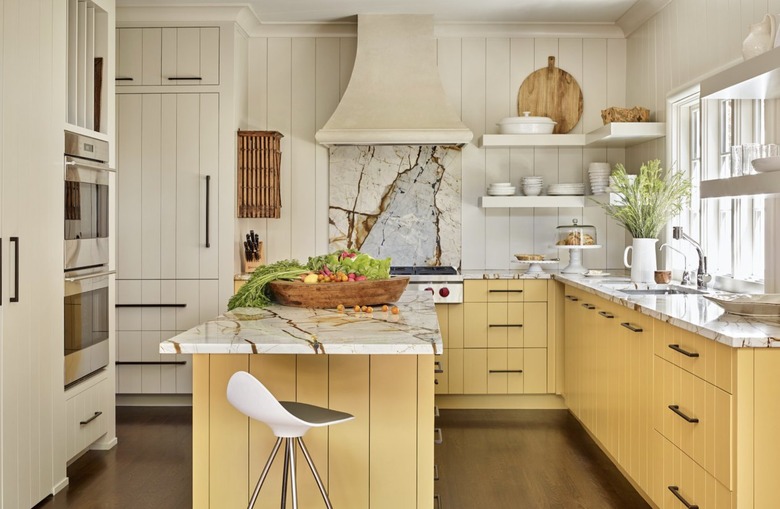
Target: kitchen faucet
702,278
687,275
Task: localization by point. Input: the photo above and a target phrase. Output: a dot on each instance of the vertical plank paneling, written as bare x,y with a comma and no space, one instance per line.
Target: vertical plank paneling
326,100
188,187
200,432
208,159
257,119
497,106
312,388
150,212
279,119
168,187
129,241
450,68
425,423
303,187
473,113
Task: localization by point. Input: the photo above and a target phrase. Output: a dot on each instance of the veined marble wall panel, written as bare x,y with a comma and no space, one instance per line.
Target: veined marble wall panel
481,77
401,202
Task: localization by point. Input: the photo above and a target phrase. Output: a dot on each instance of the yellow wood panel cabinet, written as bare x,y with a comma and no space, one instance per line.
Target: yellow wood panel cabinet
475,371
683,481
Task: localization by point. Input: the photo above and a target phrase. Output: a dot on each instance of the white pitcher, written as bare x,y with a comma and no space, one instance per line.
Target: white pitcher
761,37
643,262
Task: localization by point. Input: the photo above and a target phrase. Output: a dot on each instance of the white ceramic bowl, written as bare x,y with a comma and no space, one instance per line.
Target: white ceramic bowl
532,191
526,125
764,164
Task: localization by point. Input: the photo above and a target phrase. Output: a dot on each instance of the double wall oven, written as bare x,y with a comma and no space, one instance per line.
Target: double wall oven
87,239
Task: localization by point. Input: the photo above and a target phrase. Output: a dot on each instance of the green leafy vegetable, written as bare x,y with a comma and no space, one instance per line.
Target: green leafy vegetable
255,292
352,261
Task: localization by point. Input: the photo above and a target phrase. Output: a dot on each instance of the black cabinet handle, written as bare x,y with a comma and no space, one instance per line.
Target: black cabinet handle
572,298
435,411
505,371
606,314
632,328
185,78
435,472
588,306
1,271
150,363
123,78
437,499
505,291
505,325
440,437
437,367
94,416
15,298
677,348
151,305
208,191
676,409
676,492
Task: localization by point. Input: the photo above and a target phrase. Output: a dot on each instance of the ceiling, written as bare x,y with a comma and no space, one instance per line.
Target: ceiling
464,11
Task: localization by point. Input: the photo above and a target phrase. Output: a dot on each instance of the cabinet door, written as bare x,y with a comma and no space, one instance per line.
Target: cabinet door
498,371
534,325
475,325
475,371
139,56
534,364
190,54
498,325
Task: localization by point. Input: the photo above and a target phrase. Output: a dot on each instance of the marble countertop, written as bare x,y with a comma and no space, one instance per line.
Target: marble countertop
504,274
690,312
290,330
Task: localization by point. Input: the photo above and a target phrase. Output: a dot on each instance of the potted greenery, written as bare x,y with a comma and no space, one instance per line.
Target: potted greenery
645,203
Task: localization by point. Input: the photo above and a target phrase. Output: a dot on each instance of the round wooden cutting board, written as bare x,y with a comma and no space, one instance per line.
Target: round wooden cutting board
552,92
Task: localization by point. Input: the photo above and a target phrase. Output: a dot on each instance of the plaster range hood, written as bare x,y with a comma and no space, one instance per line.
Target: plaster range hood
395,95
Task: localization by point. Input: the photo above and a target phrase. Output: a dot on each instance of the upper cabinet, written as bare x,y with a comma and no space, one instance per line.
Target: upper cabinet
614,134
167,56
88,66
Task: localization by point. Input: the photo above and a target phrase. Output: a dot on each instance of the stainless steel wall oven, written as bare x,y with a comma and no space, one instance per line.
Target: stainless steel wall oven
87,238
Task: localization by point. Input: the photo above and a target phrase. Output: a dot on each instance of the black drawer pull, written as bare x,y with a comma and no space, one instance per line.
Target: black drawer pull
435,411
437,367
123,78
632,328
676,492
588,306
572,298
505,325
208,201
676,409
435,472
439,437
15,240
505,371
505,291
437,499
94,416
151,305
151,363
606,314
185,78
677,348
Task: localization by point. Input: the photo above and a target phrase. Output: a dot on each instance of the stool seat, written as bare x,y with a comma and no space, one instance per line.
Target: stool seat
289,421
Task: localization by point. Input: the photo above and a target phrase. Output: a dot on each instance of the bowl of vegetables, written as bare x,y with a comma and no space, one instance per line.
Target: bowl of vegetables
346,277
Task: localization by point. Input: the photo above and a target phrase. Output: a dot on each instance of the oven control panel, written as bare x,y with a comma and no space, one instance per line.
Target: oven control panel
443,292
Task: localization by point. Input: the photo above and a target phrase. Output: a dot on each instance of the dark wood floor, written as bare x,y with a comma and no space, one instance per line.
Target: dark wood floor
151,467
490,459
509,459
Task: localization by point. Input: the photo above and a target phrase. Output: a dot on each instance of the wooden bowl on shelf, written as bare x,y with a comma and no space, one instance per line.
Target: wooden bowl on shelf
330,295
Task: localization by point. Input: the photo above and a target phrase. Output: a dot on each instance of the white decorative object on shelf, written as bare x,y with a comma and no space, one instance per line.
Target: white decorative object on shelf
761,38
526,125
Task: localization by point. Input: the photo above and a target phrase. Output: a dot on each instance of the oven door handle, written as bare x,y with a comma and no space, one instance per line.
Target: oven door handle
92,166
89,276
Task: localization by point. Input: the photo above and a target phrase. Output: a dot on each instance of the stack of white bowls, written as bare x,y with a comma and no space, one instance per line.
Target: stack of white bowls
599,177
532,185
566,189
501,189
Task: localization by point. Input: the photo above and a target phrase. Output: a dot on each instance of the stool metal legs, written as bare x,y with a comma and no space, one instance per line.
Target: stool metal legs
289,469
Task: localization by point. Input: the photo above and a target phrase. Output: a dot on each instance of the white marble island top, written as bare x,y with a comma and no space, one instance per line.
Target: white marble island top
280,329
690,312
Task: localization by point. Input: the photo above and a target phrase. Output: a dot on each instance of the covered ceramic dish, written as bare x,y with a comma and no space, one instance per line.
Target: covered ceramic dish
526,125
575,235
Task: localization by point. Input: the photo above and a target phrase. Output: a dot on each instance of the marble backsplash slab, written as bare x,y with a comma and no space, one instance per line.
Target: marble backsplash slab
398,201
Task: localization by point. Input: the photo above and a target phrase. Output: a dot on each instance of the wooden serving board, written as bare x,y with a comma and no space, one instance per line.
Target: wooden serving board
552,92
330,295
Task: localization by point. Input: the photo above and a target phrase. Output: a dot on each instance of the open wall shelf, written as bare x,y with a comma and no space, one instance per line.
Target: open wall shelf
615,134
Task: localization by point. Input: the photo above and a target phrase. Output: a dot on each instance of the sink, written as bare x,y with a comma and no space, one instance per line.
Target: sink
677,290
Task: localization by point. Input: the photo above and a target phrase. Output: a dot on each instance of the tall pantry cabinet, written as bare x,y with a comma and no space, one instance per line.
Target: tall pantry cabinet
171,210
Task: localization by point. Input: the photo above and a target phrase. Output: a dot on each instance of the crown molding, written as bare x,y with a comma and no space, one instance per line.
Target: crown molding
557,30
639,14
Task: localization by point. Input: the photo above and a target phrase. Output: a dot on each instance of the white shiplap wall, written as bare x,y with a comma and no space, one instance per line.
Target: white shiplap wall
294,84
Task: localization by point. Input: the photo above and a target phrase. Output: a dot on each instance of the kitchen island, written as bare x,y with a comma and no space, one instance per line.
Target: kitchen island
377,366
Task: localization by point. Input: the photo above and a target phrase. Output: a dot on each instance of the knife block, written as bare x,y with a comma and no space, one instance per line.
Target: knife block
250,266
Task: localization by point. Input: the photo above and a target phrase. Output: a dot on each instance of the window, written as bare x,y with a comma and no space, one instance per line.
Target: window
717,139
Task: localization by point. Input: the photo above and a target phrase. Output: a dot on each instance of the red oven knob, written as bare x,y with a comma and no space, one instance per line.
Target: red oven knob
444,291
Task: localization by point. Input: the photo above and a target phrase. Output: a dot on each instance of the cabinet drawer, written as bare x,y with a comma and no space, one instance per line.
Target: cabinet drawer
504,371
86,411
706,358
494,290
505,325
683,481
695,416
441,384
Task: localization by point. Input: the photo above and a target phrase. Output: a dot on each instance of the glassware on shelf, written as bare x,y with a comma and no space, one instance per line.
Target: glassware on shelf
575,235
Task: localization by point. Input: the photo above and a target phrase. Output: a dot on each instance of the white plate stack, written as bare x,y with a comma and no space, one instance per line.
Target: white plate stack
501,189
566,189
598,173
532,185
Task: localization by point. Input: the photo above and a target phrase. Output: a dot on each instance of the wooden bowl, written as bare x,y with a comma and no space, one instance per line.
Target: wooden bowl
330,295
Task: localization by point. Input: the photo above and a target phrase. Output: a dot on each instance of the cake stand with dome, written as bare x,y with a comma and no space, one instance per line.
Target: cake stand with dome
534,265
574,238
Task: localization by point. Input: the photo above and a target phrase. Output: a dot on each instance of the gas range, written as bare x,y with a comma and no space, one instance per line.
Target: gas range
445,283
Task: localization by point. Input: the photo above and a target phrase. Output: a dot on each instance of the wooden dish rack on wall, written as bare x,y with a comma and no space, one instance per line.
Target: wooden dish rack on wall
259,161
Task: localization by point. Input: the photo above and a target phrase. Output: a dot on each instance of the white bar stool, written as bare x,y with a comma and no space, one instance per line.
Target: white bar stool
289,421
